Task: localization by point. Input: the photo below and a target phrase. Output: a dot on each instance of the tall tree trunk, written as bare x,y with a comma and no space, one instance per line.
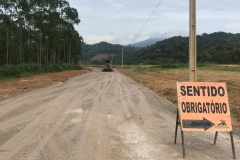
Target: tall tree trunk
20,51
29,50
7,46
45,57
64,54
54,52
69,58
58,54
40,48
38,53
47,52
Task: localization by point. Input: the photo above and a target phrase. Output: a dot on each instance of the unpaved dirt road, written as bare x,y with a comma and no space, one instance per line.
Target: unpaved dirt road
99,116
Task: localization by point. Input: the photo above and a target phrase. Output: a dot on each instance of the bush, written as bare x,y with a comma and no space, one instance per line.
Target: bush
140,69
156,66
3,72
26,69
65,66
14,70
201,65
57,68
49,68
35,68
169,65
10,71
134,63
77,67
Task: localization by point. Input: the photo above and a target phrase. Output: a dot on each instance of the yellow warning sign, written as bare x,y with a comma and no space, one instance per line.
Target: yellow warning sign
203,106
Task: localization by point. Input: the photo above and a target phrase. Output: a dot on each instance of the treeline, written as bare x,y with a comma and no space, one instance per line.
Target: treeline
90,51
27,69
38,31
218,47
115,50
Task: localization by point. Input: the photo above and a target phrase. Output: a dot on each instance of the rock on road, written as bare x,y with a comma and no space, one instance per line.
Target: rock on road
99,116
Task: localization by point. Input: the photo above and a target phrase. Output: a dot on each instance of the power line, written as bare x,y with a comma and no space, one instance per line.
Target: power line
147,21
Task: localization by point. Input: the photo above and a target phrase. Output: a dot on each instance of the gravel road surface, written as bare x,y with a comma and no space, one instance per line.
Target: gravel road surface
100,116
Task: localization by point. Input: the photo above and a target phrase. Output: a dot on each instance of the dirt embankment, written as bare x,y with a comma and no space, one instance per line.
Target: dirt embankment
11,87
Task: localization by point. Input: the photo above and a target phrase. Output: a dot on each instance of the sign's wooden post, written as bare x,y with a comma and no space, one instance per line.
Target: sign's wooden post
203,106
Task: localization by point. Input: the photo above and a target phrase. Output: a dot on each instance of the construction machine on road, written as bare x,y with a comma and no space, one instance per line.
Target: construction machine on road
107,66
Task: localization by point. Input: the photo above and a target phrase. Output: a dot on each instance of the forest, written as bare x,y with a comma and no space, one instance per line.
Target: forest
218,47
38,31
114,50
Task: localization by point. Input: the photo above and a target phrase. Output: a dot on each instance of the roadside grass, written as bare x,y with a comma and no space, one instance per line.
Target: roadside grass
234,68
235,111
137,73
200,66
8,72
6,78
26,74
97,66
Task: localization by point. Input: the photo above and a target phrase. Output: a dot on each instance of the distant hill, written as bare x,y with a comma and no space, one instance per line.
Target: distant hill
147,42
218,47
103,50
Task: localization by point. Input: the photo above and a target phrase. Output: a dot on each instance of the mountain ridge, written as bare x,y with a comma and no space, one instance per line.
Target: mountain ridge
147,42
217,47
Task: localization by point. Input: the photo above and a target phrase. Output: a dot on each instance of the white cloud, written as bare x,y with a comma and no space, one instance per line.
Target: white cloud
217,14
119,20
91,39
170,33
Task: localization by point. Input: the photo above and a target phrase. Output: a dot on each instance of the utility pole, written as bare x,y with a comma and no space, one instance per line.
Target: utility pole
7,45
122,57
112,59
192,42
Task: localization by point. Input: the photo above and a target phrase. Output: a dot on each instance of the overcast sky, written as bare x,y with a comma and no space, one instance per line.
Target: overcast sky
119,21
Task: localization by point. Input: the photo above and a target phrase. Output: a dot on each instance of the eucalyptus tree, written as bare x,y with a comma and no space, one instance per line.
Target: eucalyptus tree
40,31
5,23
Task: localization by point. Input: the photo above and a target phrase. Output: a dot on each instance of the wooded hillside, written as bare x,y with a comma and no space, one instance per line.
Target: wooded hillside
38,31
218,47
115,50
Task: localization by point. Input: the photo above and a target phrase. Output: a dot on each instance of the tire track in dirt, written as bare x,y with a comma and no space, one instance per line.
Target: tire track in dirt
98,116
96,123
32,129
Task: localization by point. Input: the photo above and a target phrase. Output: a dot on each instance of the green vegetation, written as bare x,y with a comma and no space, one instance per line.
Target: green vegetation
219,67
235,111
215,48
220,47
201,66
23,69
115,50
39,32
170,65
